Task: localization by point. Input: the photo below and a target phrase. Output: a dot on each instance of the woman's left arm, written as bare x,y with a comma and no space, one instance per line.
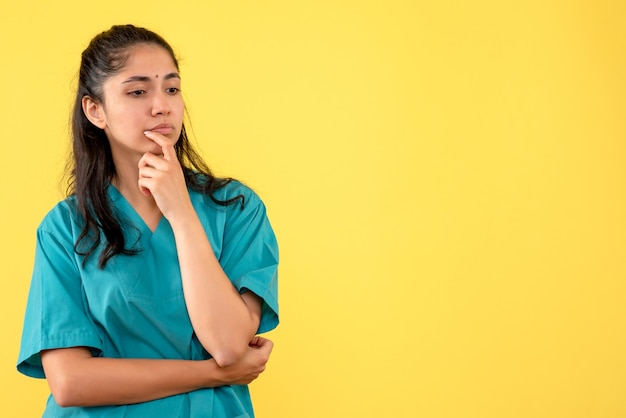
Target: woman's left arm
224,320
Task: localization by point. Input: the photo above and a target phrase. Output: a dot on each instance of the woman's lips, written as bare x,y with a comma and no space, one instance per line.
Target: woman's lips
163,129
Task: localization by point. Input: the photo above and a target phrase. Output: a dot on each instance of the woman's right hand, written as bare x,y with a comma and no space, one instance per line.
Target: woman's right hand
250,366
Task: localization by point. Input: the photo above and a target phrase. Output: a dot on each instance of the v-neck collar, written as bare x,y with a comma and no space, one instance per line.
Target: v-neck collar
128,210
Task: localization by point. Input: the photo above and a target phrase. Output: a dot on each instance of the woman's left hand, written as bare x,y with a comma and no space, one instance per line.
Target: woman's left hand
162,177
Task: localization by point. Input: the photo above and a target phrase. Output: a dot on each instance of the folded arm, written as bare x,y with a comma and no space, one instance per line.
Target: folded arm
76,378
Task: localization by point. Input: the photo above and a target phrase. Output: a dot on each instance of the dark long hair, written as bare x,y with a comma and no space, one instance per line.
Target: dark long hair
91,168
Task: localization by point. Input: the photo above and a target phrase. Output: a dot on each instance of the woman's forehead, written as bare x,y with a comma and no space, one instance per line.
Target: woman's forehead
150,59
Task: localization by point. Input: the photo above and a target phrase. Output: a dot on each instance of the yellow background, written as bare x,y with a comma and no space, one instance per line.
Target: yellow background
447,180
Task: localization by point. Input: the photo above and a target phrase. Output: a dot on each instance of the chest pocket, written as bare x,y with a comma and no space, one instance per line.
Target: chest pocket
138,305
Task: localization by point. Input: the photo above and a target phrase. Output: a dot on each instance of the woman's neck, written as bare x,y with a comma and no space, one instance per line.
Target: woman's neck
126,182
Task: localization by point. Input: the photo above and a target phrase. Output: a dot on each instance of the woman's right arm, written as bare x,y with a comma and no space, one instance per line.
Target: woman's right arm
76,378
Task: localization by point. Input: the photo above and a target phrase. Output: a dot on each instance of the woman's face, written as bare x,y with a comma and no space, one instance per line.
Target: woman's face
143,96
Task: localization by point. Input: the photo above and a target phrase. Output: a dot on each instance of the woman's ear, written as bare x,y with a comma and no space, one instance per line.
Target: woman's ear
94,112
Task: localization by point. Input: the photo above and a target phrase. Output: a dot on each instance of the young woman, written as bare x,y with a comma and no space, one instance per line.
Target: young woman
153,277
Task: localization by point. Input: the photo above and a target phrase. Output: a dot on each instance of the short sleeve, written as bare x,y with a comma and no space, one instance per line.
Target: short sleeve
250,256
56,312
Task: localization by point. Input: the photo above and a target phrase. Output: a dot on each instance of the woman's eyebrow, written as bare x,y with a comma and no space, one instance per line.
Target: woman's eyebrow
145,79
142,78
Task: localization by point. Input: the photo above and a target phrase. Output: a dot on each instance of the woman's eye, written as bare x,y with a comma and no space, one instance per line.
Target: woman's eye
137,92
172,90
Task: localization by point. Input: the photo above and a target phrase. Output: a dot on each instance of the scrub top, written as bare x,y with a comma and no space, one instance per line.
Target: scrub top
134,307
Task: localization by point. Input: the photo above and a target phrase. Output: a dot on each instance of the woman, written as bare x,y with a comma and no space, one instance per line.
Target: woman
153,277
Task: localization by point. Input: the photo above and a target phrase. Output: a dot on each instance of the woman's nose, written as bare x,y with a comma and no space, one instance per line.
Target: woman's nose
160,105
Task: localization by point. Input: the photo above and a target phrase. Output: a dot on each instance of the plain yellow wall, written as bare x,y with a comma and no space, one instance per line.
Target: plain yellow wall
447,180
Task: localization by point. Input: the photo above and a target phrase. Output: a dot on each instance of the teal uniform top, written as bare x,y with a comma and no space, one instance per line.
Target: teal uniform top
134,307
